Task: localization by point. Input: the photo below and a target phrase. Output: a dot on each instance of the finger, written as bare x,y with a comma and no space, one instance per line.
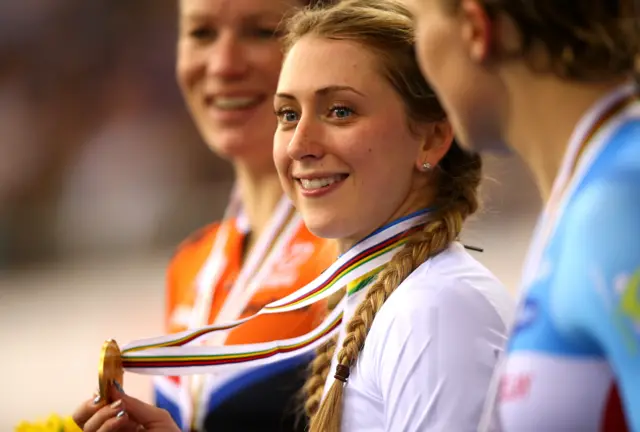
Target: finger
109,412
86,410
141,412
120,423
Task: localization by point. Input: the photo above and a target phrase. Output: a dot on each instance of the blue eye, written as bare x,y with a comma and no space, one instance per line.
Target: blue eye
290,116
287,116
341,112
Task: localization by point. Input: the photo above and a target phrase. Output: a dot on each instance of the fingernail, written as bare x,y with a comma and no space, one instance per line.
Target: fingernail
116,404
96,400
118,387
120,414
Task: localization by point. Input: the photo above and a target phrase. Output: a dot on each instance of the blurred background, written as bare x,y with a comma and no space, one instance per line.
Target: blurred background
102,174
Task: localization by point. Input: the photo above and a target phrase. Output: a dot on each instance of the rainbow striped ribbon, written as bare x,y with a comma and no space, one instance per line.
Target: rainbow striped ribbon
171,355
195,359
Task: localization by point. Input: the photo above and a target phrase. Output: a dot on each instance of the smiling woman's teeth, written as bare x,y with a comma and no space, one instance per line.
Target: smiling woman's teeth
234,102
318,183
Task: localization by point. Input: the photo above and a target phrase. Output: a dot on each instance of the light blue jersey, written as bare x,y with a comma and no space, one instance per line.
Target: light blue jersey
575,349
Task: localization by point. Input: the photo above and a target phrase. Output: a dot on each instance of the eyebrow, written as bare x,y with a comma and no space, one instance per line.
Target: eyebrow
323,91
198,16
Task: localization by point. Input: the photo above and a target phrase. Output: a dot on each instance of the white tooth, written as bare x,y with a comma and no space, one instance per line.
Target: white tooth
318,183
233,103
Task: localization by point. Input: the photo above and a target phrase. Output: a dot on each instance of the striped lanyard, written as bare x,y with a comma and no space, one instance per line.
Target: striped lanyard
178,355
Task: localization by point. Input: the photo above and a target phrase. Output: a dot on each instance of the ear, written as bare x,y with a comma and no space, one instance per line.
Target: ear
437,142
477,30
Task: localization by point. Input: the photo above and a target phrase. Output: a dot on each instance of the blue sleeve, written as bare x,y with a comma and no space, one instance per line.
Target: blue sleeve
597,288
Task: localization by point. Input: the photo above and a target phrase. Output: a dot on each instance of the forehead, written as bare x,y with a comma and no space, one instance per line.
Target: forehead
314,63
240,9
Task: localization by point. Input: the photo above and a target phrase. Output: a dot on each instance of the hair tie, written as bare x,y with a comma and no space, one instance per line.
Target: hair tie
342,373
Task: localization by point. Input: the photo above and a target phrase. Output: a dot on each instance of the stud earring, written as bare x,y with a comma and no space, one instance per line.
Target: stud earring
426,166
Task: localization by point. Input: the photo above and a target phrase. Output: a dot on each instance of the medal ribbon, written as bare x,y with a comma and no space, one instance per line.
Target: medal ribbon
168,355
198,359
214,266
282,226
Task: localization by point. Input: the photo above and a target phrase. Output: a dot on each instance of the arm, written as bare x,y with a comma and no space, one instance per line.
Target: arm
437,359
597,290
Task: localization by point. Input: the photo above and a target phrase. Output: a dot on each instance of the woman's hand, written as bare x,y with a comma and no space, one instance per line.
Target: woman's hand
126,414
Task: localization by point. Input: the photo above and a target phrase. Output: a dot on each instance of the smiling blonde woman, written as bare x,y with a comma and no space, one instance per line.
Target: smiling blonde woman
363,148
421,333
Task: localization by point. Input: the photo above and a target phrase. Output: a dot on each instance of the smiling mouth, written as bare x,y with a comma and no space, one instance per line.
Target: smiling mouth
234,103
319,183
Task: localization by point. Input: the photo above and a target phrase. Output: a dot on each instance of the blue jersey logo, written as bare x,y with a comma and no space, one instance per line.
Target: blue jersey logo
527,314
629,309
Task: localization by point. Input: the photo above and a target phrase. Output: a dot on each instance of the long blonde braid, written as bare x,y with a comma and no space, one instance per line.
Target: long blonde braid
314,386
320,366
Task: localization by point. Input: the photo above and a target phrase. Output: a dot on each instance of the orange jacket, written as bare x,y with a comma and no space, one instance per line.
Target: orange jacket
302,260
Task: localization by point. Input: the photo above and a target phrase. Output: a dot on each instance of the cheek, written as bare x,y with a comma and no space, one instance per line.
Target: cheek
428,55
268,62
389,161
444,68
372,154
281,157
188,69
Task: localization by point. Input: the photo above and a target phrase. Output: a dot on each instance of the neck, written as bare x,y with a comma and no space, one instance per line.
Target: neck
260,192
421,196
543,116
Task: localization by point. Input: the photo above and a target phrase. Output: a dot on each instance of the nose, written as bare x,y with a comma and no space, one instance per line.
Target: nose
306,141
227,58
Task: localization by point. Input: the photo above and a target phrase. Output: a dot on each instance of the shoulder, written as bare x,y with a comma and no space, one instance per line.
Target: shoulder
451,297
601,221
197,237
193,249
596,249
455,284
606,208
450,312
624,137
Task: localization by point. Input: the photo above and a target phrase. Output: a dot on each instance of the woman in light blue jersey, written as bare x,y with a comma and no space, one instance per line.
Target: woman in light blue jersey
553,82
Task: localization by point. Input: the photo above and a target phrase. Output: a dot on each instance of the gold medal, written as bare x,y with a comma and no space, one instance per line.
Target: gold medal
109,369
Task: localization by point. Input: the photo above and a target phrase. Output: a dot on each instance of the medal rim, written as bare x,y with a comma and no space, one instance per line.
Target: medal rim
109,368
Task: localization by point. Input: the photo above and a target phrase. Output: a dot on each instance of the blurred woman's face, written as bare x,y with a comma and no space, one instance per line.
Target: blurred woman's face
228,64
472,94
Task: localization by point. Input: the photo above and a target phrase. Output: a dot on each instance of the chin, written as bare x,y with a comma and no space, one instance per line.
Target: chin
325,226
478,138
321,230
234,143
483,145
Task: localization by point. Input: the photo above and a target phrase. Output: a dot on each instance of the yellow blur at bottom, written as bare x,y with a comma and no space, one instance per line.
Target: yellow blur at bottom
54,423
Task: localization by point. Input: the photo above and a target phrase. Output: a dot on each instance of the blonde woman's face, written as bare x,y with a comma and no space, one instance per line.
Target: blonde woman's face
228,62
343,148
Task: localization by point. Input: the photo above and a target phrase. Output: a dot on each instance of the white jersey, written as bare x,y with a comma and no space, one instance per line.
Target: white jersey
431,351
